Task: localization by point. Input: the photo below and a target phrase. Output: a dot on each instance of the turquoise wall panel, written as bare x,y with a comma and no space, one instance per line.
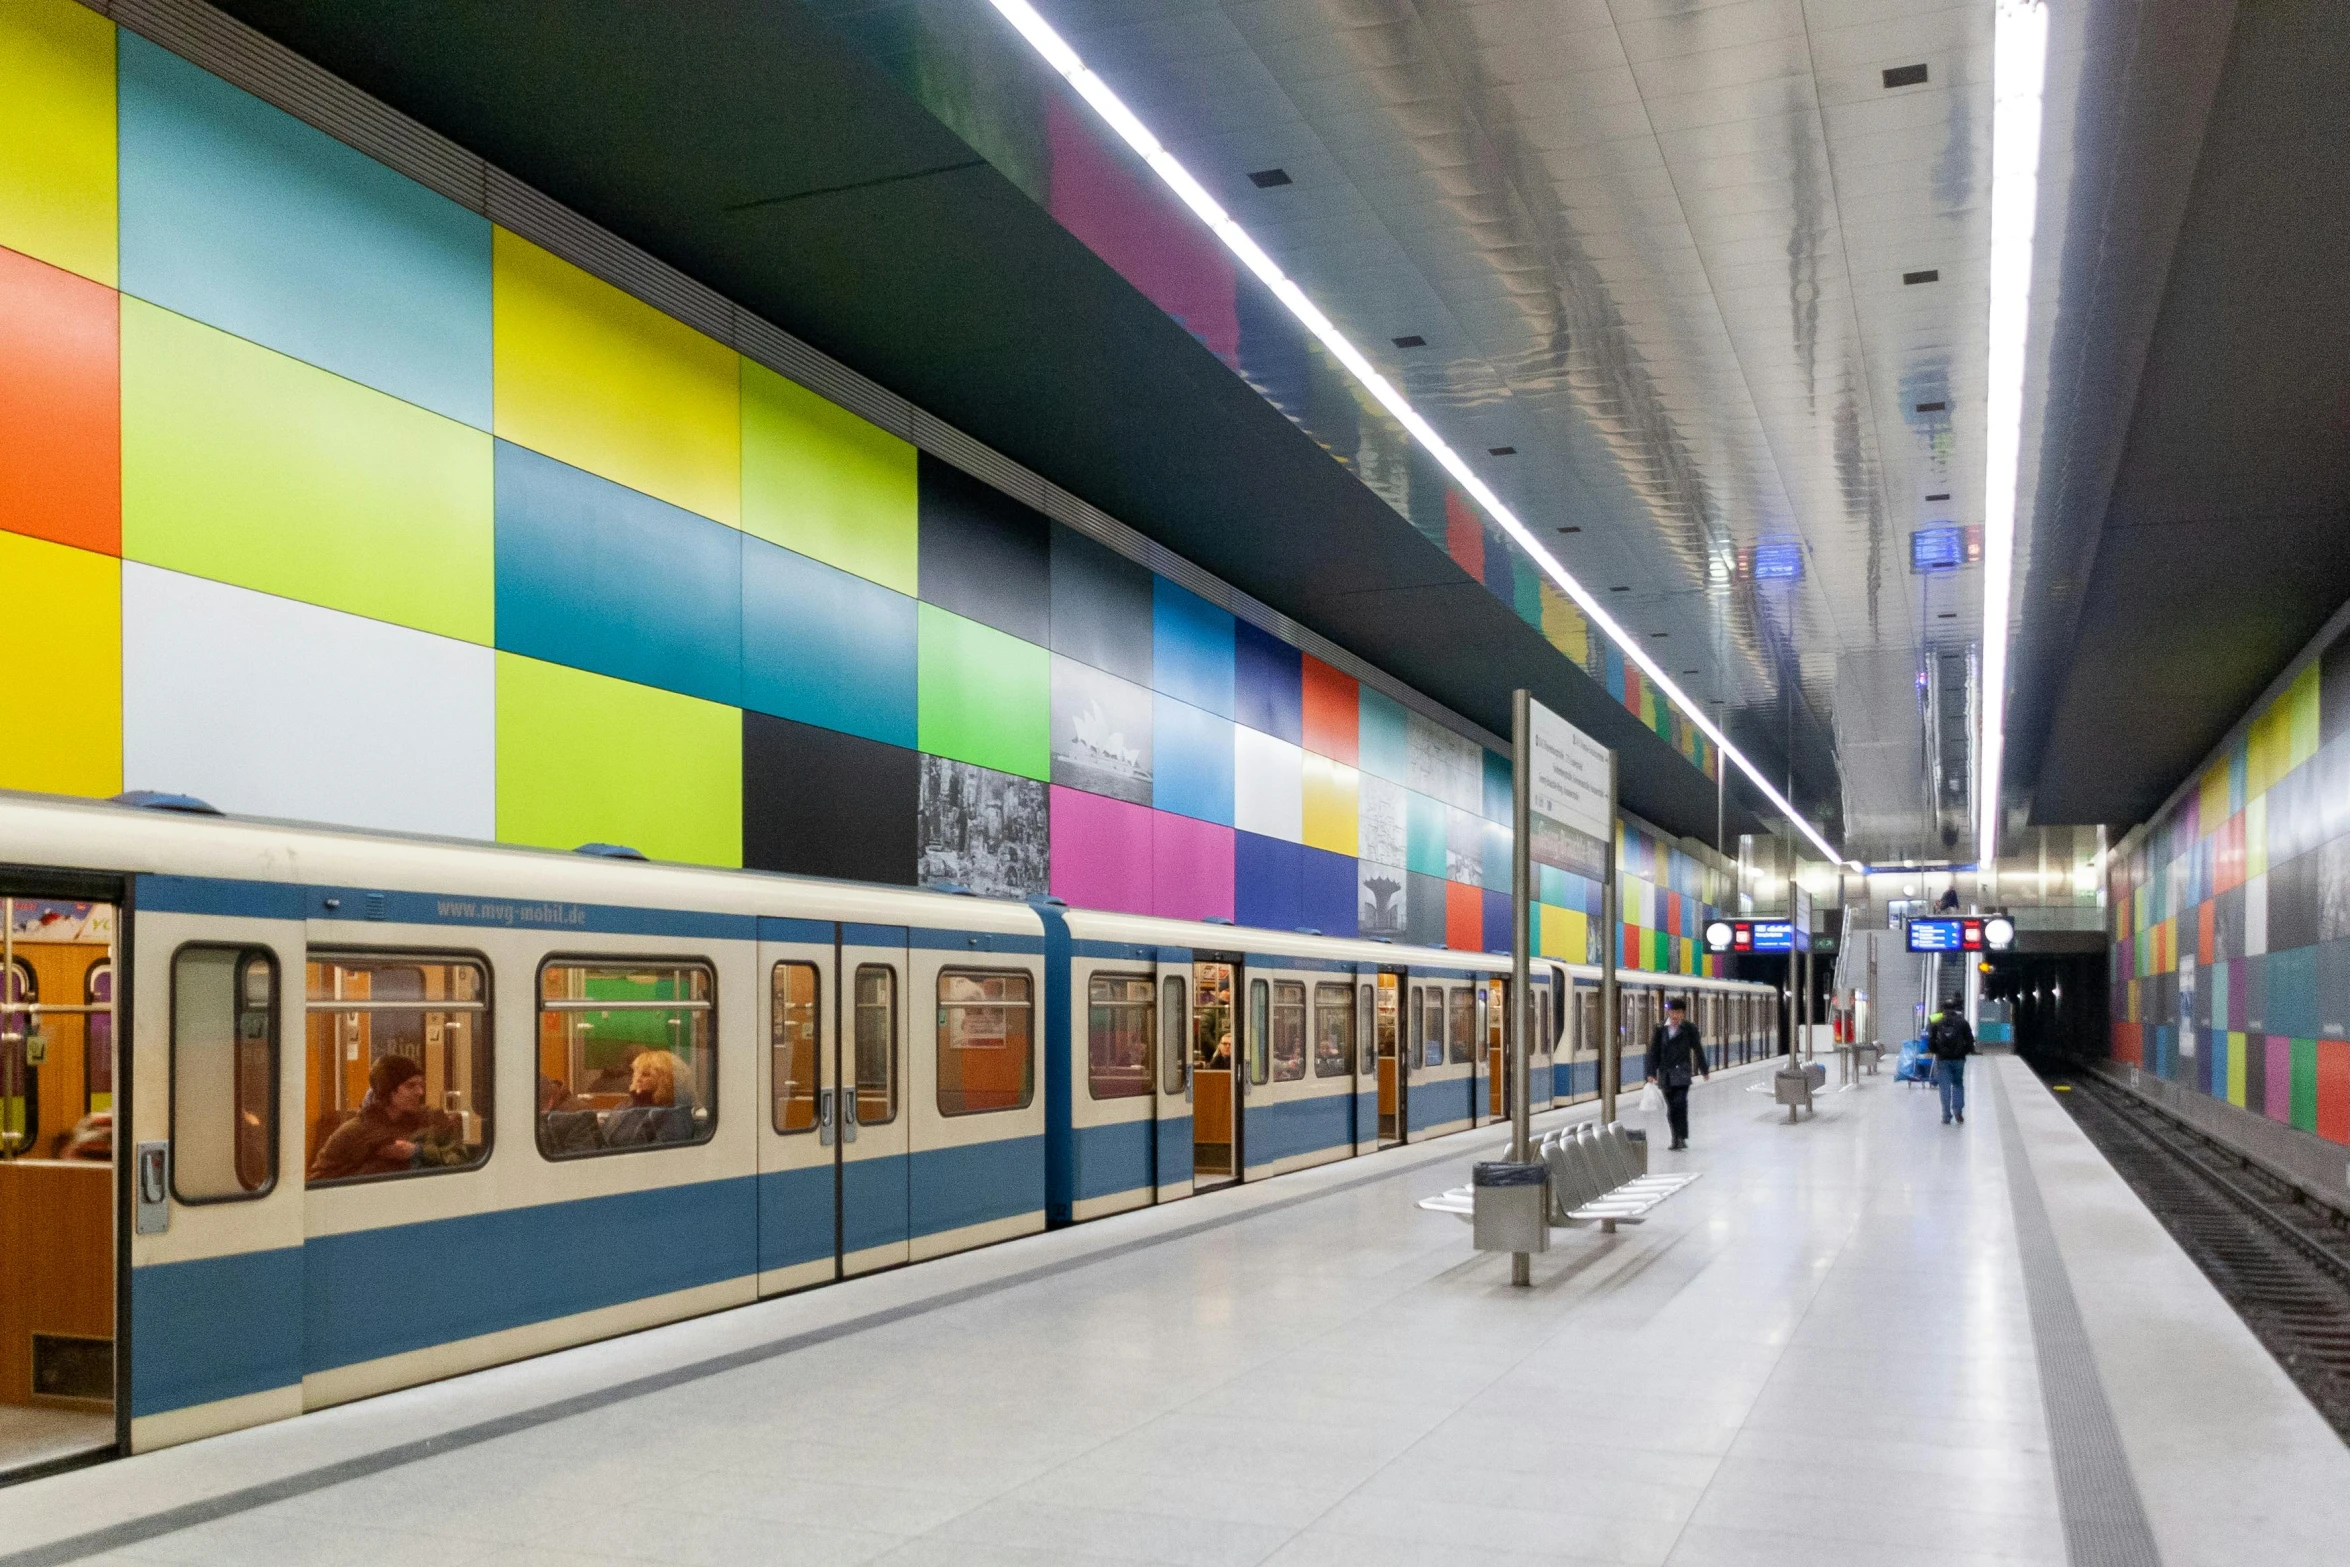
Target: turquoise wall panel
237,215
1381,741
597,576
825,646
1427,826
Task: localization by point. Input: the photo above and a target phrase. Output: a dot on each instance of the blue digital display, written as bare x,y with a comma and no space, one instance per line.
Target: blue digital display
1771,936
1937,549
1961,935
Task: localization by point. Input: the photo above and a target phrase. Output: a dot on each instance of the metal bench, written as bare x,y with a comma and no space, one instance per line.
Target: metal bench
1596,1177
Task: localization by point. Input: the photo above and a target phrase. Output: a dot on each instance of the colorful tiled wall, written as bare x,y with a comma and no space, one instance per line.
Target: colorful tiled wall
326,498
2231,956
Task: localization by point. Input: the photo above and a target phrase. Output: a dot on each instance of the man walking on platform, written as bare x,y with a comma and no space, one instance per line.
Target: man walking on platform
1676,1057
1952,1042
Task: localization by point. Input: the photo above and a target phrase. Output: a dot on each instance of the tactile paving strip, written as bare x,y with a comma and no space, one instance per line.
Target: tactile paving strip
2104,1517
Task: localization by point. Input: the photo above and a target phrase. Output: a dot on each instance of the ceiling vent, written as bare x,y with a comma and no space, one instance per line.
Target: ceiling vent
1411,340
1905,76
1945,495
1270,179
1930,275
1501,451
1932,408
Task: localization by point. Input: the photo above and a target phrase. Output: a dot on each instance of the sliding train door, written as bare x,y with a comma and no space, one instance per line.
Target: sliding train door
1216,1050
1392,1038
57,1242
799,1146
1171,1152
869,1052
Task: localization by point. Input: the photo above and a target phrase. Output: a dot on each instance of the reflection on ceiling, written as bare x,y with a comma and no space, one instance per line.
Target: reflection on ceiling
1705,280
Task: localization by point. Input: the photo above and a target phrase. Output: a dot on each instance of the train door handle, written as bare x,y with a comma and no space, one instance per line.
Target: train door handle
824,1117
848,1115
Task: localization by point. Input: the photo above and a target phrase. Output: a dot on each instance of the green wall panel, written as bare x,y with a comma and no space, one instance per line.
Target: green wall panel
821,481
985,698
585,758
247,467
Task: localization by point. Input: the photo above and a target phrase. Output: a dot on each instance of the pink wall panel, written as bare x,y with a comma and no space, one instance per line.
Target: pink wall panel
1192,868
1101,855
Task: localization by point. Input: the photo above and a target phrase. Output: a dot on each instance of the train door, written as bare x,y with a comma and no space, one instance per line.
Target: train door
1447,1035
1498,1082
1172,1136
1280,1088
869,1054
1366,1068
1583,1065
1390,1036
1216,1049
57,1244
799,1147
1541,1039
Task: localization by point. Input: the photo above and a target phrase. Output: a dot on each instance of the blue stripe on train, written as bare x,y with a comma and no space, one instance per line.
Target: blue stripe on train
214,1328
1285,1129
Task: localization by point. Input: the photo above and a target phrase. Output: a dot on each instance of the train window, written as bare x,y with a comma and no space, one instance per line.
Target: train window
1260,1031
877,1044
1172,1034
223,1073
20,1080
986,1059
1289,1030
399,1080
795,1035
98,995
1118,1035
1432,1025
1334,1029
1461,1024
628,1055
1367,1027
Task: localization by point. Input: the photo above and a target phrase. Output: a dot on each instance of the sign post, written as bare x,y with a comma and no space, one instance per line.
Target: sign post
1567,820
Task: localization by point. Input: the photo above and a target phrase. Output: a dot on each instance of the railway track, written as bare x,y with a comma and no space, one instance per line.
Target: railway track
2283,1262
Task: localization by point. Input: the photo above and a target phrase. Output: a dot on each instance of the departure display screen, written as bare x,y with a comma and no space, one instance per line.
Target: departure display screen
1946,935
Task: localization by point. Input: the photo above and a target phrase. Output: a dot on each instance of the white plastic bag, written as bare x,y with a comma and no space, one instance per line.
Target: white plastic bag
1652,1100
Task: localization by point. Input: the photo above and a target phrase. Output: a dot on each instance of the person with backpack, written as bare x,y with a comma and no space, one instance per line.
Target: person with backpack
1676,1058
1952,1042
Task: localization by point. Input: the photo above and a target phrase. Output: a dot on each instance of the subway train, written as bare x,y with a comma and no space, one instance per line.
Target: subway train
395,1108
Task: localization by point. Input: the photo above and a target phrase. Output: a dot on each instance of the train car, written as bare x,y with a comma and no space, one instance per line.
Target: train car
292,1115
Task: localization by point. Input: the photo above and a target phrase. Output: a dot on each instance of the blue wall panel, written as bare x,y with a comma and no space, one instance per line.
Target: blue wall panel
1191,648
825,646
1330,892
597,576
1497,787
1191,761
1267,882
1497,921
238,215
1268,684
214,1328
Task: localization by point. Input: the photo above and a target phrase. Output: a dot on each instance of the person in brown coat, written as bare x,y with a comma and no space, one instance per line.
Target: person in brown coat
382,1138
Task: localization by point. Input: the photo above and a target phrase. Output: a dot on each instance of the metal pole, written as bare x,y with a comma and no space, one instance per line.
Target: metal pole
1521,946
1611,1051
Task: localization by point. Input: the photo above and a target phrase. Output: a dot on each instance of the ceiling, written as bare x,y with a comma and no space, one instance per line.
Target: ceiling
1659,247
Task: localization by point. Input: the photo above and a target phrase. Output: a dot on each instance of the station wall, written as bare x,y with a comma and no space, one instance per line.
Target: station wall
2231,917
327,498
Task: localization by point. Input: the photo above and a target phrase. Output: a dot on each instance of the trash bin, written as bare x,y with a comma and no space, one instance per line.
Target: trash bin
1511,1206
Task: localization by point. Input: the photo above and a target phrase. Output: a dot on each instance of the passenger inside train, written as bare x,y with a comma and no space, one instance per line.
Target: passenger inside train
626,1057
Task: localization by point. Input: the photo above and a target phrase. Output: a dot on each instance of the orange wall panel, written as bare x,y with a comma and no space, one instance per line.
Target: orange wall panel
61,404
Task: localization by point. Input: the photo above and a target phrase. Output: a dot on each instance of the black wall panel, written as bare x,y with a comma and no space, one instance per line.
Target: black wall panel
1101,607
984,555
820,803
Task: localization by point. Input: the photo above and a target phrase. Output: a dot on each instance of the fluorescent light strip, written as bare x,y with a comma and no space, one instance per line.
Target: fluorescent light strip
1095,91
2019,74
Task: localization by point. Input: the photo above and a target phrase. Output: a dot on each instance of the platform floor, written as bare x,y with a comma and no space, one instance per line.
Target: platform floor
1848,1343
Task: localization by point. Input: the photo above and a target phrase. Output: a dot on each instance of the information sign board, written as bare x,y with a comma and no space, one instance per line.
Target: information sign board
1945,935
1566,794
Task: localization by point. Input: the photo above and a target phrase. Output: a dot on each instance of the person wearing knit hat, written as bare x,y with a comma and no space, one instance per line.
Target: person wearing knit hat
381,1139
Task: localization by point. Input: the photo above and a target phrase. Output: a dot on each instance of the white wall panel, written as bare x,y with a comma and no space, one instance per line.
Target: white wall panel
266,707
1268,785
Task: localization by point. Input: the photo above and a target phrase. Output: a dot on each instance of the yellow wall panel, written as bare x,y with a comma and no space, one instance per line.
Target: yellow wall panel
2256,836
2300,705
57,135
65,698
2213,805
1332,793
592,377
821,481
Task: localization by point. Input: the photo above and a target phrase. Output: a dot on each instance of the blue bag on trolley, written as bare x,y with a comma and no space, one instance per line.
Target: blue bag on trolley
1916,1065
